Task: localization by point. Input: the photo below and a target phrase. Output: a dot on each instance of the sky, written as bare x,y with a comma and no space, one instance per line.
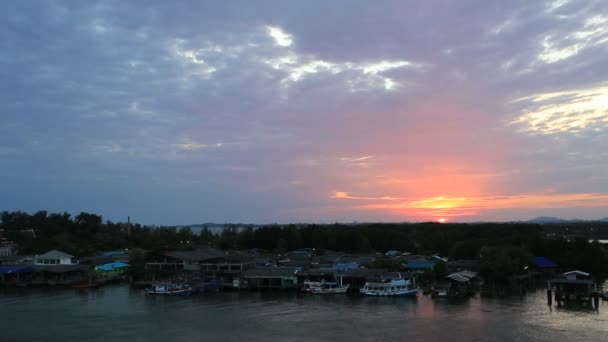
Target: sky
305,111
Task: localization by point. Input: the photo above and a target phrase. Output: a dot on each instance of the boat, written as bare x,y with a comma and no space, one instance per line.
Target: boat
308,285
439,292
390,287
329,287
171,289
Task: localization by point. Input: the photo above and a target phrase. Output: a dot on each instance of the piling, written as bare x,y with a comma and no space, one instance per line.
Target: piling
596,300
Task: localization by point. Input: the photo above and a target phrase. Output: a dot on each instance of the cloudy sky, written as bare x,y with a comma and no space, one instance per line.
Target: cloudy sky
305,111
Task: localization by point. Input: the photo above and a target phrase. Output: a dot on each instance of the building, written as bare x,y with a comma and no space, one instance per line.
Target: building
55,258
226,267
271,278
458,284
112,270
8,249
573,285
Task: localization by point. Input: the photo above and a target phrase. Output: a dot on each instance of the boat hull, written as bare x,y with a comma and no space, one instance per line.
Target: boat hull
170,293
403,293
169,290
335,290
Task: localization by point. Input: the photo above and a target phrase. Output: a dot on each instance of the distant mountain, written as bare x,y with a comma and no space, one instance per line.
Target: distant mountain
605,219
546,219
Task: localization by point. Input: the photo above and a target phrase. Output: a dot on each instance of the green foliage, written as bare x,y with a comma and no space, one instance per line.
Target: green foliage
440,269
503,261
503,248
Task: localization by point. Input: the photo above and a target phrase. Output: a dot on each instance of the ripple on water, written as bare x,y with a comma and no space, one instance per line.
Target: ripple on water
119,314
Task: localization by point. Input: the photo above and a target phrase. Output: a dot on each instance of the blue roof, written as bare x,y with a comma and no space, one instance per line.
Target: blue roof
111,266
14,269
541,261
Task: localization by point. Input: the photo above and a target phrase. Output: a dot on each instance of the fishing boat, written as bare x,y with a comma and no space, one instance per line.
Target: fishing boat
328,287
170,289
390,287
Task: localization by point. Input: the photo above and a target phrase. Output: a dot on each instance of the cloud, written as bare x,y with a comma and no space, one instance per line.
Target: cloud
471,206
565,111
232,116
281,38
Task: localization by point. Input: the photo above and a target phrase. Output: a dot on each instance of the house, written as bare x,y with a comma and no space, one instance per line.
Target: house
458,284
55,257
111,270
8,249
271,278
227,267
573,285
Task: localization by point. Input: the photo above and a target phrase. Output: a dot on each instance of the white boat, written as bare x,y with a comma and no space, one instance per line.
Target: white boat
170,289
324,287
308,285
439,293
329,288
393,287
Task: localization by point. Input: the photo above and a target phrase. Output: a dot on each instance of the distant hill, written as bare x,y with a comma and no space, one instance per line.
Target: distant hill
547,219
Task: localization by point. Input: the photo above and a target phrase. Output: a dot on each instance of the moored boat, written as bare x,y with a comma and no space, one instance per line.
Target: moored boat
169,289
329,288
390,287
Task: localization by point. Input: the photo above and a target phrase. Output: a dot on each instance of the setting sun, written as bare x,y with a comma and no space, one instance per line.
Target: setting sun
442,220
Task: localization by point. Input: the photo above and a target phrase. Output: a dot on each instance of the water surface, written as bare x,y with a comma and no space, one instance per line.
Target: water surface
119,313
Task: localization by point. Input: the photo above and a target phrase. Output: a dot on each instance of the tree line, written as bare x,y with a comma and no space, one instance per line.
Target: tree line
501,248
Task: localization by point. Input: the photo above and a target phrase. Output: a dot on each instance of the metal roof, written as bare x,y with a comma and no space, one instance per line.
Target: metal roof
577,272
54,254
14,269
112,266
541,261
458,278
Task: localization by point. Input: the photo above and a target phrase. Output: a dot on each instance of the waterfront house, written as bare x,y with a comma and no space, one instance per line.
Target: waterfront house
271,278
112,270
57,268
227,267
8,249
55,258
457,284
573,285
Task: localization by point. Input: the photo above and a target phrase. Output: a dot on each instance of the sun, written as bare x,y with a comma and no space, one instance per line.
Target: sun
442,220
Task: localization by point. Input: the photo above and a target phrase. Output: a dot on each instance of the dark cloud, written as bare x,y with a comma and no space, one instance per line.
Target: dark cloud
191,111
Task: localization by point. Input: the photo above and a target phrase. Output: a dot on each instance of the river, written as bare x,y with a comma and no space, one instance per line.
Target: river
119,313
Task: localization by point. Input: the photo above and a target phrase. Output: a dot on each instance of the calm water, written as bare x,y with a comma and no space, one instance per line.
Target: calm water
118,313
